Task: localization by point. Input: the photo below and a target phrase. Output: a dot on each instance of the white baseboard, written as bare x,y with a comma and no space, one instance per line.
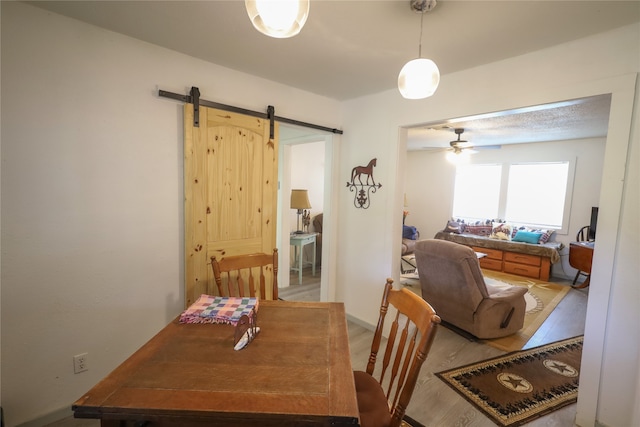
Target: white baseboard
362,323
49,418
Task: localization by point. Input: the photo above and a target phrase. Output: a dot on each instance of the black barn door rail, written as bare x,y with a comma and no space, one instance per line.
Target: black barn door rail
194,98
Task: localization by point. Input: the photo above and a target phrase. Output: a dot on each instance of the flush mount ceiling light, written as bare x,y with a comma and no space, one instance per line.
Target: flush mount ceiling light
419,78
278,18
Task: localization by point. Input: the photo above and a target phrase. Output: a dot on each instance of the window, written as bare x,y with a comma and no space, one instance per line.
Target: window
534,194
477,191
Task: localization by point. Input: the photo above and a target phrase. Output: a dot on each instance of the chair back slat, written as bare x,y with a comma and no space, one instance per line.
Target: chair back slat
388,351
236,275
408,346
405,365
399,357
399,349
262,281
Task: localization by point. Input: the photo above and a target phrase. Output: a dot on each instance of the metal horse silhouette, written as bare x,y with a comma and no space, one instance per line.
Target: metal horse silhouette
362,198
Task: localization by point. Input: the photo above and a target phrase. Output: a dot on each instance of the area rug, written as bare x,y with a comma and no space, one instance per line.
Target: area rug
542,299
518,387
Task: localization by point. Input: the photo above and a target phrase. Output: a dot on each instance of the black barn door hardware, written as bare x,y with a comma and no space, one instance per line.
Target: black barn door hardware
194,98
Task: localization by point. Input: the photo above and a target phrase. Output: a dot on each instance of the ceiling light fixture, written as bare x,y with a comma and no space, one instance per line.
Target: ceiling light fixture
278,18
419,78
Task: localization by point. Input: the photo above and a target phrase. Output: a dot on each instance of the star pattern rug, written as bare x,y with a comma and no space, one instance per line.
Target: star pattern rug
520,386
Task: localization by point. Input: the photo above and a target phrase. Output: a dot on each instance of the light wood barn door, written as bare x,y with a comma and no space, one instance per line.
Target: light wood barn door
231,184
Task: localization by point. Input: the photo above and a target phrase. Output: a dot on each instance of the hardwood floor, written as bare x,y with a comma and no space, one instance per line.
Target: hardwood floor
309,290
433,403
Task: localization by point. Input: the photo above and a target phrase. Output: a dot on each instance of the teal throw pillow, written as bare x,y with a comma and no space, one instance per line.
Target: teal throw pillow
527,237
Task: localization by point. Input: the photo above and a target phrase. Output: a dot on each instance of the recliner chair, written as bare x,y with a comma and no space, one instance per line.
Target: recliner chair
452,282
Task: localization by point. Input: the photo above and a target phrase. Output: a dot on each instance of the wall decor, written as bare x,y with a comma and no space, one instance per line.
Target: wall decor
363,191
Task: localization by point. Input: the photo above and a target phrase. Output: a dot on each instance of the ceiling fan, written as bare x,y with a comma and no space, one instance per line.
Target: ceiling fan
459,145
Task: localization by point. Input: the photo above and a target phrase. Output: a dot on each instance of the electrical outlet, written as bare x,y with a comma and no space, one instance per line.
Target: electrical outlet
80,363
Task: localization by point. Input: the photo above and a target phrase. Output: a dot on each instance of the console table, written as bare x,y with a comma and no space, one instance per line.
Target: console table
580,258
299,241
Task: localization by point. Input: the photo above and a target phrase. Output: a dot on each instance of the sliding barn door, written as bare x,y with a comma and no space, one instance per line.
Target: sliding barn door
231,184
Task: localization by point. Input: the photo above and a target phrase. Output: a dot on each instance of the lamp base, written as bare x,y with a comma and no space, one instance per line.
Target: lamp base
299,232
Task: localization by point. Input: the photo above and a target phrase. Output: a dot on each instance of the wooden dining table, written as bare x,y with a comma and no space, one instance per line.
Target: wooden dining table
296,372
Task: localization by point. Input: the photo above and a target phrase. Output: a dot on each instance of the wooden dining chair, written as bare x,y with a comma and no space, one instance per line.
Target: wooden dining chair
383,397
240,274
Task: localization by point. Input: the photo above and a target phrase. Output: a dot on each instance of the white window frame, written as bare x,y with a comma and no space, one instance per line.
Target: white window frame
503,189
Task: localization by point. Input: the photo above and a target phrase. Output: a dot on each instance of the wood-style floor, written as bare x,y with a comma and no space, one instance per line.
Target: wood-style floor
433,403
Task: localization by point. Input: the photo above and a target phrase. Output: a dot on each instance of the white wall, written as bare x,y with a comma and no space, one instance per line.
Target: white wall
369,239
430,205
307,172
92,196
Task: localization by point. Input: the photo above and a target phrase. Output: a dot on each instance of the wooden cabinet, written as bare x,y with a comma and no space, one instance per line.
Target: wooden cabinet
534,266
522,264
493,260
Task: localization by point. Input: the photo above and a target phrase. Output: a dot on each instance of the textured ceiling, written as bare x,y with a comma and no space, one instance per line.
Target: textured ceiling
576,119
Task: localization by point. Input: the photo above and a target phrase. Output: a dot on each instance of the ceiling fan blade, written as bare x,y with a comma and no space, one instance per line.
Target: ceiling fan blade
487,147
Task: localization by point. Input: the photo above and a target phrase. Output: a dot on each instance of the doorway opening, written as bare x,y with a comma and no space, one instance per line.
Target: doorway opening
306,159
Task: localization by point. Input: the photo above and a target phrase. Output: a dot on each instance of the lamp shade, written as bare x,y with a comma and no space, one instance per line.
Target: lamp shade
418,79
300,199
278,18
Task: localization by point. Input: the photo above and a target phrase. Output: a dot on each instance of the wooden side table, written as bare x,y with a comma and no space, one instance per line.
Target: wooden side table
580,257
299,241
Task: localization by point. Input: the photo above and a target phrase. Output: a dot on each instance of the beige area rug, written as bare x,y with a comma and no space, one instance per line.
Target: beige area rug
542,299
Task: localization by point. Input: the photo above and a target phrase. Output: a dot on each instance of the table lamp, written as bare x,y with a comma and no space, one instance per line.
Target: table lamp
299,201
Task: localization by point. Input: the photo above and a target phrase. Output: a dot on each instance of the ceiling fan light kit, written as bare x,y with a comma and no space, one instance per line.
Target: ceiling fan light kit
461,149
458,157
278,18
419,78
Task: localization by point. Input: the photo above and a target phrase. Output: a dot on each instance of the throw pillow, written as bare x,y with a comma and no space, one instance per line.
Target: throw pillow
409,232
453,227
478,229
545,236
501,231
516,229
527,237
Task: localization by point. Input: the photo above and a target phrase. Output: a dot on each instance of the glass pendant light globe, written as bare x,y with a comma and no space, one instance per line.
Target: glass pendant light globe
278,18
459,158
418,79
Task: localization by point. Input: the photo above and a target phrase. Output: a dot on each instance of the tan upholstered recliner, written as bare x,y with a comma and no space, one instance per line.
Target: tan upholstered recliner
453,284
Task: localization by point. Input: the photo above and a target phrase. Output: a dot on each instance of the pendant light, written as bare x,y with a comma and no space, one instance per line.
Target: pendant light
278,18
419,78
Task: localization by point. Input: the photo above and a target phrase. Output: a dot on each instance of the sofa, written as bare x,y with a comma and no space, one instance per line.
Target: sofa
452,282
504,250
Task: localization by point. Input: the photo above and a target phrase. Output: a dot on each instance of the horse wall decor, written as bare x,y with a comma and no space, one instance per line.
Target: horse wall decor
362,198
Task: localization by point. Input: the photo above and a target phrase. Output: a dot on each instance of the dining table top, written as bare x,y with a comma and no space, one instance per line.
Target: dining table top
297,371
